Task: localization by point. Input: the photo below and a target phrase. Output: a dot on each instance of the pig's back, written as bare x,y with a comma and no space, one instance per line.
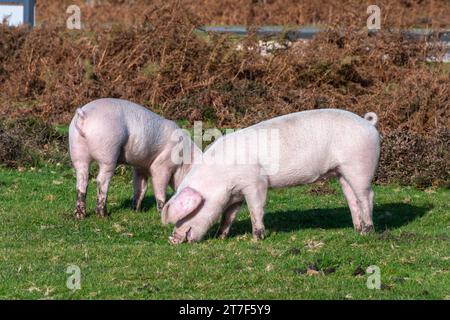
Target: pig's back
140,133
302,146
320,128
315,143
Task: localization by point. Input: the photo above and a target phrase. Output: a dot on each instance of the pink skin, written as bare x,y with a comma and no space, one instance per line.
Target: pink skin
315,145
114,131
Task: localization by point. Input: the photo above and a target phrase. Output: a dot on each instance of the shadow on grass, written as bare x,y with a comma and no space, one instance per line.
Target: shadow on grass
386,216
148,203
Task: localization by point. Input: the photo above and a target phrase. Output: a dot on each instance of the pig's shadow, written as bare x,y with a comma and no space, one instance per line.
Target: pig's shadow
148,204
386,216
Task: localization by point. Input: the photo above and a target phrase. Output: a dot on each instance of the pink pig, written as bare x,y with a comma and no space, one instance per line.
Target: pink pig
304,147
114,131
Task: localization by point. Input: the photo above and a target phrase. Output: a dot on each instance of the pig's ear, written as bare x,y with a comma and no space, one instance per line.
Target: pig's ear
183,204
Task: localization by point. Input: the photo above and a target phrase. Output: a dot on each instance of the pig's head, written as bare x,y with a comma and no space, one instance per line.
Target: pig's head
191,214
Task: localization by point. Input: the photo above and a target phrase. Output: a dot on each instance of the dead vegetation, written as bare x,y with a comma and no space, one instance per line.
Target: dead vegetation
153,55
29,141
414,159
343,13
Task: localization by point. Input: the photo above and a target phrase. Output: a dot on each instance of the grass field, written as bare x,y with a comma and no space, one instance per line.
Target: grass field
128,255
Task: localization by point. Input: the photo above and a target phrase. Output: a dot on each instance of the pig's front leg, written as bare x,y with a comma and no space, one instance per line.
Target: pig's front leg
227,220
161,171
140,177
160,181
255,196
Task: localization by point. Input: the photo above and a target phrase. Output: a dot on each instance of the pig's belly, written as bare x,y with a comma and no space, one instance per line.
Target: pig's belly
298,177
137,157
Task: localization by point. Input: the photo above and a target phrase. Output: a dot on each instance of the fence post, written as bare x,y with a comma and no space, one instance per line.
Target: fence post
29,12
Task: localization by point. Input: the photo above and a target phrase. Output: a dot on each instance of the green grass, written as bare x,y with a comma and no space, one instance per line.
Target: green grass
128,255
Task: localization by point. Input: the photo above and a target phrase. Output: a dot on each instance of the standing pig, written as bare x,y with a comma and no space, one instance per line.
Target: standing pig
303,147
114,131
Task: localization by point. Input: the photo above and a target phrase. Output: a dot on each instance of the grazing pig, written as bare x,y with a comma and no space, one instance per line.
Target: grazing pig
303,147
114,131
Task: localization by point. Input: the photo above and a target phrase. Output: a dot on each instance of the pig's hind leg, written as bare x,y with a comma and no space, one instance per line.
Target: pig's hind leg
360,183
140,178
81,160
106,172
352,203
227,220
366,197
82,173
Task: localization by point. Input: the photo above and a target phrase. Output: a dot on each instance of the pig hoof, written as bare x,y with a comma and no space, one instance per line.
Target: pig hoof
221,235
367,229
258,234
80,211
102,212
80,215
159,205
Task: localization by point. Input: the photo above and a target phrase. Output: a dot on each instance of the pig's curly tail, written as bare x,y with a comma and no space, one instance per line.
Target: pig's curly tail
371,117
